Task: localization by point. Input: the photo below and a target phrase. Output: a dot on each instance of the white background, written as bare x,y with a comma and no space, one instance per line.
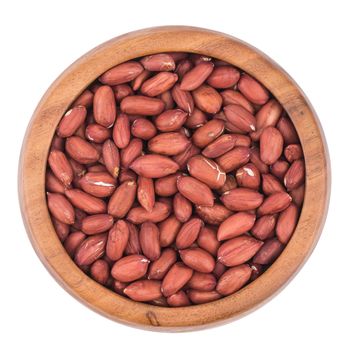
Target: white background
310,40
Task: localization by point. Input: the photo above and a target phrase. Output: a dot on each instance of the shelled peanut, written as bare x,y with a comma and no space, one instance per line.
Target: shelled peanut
175,179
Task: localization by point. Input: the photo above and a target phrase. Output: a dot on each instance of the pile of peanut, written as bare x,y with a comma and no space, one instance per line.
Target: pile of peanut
175,179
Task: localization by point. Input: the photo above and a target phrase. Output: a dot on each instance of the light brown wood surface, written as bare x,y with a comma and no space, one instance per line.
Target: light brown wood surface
73,81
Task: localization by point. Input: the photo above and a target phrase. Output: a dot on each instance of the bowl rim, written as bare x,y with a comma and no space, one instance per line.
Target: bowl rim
63,91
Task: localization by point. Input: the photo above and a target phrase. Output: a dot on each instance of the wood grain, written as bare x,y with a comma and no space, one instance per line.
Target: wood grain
73,81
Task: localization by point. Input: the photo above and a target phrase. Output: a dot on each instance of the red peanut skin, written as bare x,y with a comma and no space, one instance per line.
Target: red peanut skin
149,240
60,208
233,279
104,106
90,249
182,207
178,299
121,131
168,230
133,246
73,241
175,279
198,259
161,266
189,192
139,215
100,271
130,268
122,199
269,252
117,240
207,240
145,193
188,233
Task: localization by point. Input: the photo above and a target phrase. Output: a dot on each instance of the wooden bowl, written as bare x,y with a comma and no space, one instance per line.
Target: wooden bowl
74,80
